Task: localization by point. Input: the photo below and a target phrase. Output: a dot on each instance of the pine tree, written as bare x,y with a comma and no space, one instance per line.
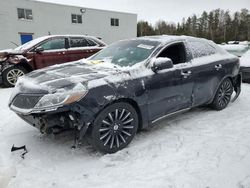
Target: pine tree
217,25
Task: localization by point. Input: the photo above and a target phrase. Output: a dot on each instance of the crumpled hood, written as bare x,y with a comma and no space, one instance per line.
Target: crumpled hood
5,53
67,75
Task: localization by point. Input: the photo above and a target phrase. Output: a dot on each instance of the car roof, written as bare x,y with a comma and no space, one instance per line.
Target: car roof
67,35
98,40
171,38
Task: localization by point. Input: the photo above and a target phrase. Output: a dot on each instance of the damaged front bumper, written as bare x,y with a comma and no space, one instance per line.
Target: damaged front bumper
55,121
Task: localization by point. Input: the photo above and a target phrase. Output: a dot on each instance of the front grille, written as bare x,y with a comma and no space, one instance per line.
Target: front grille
26,101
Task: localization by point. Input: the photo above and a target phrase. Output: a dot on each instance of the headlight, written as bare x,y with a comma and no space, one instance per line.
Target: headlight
62,97
2,58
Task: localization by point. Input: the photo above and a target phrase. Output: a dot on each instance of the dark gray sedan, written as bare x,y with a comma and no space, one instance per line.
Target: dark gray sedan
128,86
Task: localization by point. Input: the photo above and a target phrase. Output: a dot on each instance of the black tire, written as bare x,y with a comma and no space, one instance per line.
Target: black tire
114,128
11,74
223,95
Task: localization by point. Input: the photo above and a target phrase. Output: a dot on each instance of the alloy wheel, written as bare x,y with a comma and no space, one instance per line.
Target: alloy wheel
13,75
116,128
225,93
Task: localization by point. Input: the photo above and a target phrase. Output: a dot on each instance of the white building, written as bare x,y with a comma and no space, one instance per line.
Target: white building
23,20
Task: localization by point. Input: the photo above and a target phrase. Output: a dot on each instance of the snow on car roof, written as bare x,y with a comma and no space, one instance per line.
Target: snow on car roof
164,39
32,43
169,38
69,35
40,39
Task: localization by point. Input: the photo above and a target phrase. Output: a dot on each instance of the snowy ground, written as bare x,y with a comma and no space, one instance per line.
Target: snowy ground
199,149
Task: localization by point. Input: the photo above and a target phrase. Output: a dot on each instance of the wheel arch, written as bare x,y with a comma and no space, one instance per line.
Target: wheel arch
135,106
7,69
23,63
230,77
130,101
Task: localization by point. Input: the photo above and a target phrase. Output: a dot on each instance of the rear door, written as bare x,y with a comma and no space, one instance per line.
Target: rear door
54,52
81,47
170,90
208,70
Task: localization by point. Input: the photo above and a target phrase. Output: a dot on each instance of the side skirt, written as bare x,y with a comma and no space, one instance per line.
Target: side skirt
170,115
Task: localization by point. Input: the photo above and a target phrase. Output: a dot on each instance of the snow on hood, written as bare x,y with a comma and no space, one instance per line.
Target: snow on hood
50,79
62,78
245,59
65,77
5,53
31,43
6,50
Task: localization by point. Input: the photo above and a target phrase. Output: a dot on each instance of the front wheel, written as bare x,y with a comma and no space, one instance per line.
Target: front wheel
223,95
11,74
114,127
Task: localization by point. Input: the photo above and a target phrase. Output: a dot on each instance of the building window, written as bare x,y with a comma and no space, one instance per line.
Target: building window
114,22
24,14
76,18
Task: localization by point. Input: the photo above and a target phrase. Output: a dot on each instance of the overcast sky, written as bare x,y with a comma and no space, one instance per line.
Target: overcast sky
153,10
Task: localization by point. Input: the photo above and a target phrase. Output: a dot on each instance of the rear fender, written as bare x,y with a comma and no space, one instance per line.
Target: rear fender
237,86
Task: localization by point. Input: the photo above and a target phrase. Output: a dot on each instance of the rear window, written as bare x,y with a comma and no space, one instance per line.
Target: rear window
201,49
91,43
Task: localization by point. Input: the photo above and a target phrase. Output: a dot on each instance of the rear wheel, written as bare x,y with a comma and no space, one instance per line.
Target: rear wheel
11,74
223,95
114,127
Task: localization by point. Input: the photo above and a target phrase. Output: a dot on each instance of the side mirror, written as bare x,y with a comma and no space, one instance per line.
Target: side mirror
39,50
162,63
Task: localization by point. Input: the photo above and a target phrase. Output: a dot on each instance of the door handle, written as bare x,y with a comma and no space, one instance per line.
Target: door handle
218,67
60,53
185,74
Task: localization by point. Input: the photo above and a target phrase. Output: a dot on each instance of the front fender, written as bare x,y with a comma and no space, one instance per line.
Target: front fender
130,90
11,61
5,65
97,98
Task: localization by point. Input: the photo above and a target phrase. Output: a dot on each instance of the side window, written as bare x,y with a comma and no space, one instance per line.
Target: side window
91,43
54,44
78,42
176,52
201,49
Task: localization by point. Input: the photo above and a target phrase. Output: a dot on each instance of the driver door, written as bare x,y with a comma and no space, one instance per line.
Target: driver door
54,52
170,90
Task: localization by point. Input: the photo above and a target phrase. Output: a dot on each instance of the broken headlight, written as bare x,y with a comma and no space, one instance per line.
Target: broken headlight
2,58
62,97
